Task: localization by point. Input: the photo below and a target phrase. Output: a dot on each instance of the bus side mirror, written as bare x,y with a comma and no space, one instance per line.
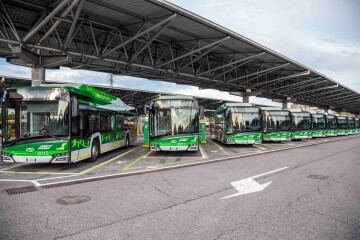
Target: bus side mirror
74,107
201,115
81,124
227,113
146,108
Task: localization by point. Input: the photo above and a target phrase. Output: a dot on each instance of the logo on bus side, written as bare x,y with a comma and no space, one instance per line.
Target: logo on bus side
45,147
29,149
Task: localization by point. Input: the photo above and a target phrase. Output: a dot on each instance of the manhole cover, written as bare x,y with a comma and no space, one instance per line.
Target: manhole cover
321,177
71,200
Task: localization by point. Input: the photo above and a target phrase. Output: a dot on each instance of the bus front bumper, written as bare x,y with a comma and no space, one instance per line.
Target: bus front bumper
174,148
35,159
243,141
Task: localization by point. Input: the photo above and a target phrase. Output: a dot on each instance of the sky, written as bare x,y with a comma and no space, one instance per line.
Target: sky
321,34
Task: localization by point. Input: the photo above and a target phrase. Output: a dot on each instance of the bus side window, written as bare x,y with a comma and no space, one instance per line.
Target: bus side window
112,122
105,122
75,126
119,122
96,122
91,120
85,123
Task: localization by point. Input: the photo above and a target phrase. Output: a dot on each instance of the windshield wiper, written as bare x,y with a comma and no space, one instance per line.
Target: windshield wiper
26,136
52,136
17,140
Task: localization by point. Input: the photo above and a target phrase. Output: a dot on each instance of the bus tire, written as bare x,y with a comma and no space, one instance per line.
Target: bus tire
127,141
95,151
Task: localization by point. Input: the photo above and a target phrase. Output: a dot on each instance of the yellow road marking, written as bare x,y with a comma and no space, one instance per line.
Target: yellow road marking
203,153
104,164
135,161
261,147
221,148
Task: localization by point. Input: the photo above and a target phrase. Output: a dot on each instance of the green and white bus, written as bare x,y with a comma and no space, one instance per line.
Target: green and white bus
276,124
301,124
318,125
357,125
237,123
352,129
343,125
331,125
174,123
63,124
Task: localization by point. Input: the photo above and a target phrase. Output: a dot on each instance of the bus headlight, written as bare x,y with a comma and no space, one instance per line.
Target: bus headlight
61,157
154,147
6,157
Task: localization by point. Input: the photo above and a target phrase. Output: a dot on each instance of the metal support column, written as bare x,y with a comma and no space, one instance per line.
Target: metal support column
284,104
37,76
246,99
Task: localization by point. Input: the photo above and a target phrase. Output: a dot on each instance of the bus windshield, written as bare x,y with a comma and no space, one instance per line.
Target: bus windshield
277,121
175,121
351,123
243,122
331,122
318,121
343,122
301,121
36,119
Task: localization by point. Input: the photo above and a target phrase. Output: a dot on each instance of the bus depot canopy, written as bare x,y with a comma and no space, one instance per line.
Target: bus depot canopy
132,97
158,40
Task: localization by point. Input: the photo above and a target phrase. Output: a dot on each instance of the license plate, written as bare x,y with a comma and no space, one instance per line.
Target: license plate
31,160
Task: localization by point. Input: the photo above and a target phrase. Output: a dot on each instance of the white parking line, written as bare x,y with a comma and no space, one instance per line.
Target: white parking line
20,180
39,173
261,147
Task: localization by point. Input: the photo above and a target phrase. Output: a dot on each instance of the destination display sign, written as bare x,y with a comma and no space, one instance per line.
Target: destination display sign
244,109
301,114
166,104
278,113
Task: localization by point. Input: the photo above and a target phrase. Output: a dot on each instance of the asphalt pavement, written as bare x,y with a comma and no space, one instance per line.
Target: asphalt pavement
314,194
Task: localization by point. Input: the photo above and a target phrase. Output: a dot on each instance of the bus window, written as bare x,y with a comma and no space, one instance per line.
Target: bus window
94,122
112,122
105,123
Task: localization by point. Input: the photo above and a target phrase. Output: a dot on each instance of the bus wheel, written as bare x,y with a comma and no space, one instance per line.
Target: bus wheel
127,141
95,150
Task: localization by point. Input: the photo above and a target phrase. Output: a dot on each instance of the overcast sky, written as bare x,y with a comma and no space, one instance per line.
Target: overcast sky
321,34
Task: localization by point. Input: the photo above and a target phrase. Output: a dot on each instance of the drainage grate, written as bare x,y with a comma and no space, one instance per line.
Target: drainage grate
19,190
320,177
55,185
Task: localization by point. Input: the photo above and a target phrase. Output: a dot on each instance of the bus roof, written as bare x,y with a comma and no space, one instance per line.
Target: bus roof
273,109
167,97
239,105
297,111
98,98
318,113
224,106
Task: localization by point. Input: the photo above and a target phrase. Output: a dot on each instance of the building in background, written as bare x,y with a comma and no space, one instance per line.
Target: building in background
303,107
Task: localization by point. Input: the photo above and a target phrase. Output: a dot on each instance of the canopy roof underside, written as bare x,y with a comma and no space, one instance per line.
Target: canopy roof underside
158,40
